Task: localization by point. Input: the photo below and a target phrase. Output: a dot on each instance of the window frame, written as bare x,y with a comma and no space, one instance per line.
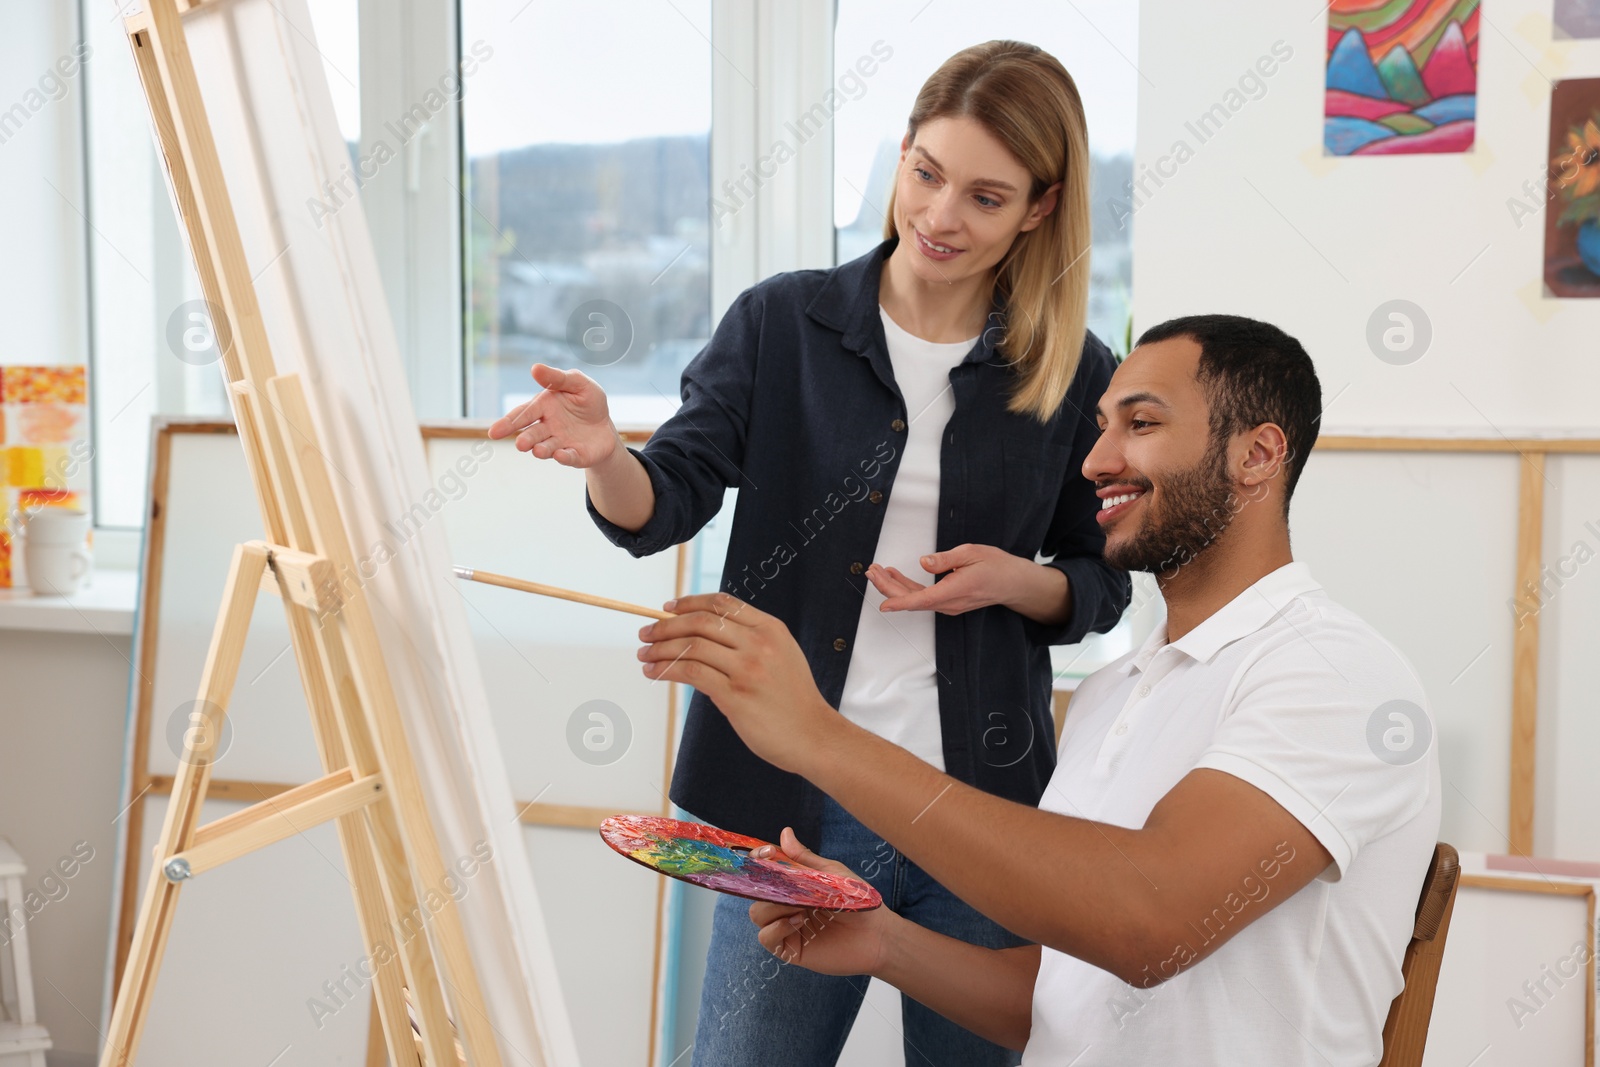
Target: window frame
772,59
413,209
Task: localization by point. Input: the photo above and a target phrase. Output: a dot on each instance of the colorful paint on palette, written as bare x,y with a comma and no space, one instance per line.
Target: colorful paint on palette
716,859
1402,77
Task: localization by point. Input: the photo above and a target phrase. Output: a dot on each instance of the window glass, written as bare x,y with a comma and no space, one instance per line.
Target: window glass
587,141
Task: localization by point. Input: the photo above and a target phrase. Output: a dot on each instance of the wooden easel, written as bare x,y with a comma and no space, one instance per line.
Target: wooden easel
370,785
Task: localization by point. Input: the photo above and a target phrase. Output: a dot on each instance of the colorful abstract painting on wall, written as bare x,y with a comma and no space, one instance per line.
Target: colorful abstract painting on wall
44,447
1402,77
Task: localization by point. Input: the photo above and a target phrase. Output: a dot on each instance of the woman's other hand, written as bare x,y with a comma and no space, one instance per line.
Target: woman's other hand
976,576
568,422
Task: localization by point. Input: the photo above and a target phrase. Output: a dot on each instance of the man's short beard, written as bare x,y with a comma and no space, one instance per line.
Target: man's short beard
1195,507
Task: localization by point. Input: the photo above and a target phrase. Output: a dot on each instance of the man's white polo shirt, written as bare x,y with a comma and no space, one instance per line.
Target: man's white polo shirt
1290,692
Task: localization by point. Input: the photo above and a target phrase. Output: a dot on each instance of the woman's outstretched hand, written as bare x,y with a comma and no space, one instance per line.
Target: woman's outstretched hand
828,942
568,422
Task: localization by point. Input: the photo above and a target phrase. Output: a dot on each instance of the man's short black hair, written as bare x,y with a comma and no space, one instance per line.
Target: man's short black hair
1252,372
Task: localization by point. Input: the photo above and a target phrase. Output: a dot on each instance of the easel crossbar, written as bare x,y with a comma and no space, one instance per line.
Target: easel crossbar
273,820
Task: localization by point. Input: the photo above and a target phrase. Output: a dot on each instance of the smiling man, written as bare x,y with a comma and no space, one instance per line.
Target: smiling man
1225,866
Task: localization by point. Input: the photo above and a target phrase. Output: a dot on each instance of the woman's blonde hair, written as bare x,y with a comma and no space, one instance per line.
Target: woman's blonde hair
1024,97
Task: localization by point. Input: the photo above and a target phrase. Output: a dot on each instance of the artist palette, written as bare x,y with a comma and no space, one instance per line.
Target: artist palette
717,859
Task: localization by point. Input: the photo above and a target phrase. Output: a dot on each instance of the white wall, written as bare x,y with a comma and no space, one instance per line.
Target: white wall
1257,221
62,707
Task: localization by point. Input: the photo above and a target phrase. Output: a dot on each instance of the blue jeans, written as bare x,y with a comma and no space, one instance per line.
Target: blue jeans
751,1001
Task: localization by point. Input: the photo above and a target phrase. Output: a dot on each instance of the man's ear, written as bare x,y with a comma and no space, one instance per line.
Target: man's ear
1265,457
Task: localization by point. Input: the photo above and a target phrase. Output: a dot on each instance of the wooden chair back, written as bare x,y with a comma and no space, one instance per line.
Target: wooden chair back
1406,1031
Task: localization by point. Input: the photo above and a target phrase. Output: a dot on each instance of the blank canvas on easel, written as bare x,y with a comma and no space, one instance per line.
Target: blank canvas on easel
322,308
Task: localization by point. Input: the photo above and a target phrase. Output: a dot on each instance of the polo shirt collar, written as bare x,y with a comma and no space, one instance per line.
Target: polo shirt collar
1239,617
848,302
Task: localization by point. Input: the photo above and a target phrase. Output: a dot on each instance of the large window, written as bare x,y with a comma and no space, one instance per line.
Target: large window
587,140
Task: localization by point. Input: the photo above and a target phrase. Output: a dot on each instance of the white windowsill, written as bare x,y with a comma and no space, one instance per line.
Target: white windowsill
106,607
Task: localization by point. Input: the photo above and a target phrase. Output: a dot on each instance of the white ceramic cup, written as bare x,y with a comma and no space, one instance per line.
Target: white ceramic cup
57,526
55,570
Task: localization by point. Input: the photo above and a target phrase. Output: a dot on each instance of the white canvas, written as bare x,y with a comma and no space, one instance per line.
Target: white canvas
322,305
1512,983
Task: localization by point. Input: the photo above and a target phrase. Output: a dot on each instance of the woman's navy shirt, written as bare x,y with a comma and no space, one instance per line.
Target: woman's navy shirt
794,403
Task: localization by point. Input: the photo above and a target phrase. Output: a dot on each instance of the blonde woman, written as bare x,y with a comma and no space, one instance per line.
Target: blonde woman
906,432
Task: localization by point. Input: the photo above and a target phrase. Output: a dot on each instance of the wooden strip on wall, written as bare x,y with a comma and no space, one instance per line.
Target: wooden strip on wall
476,430
1525,654
1527,885
1522,445
571,816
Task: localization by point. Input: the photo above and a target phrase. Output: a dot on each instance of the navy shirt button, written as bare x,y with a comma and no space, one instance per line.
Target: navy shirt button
898,425
875,496
839,644
856,568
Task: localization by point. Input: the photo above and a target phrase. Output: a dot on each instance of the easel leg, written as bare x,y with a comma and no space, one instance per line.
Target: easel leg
389,1006
375,1042
320,657
386,899
183,807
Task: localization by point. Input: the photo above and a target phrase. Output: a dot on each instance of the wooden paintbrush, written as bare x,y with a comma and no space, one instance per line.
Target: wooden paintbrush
471,575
